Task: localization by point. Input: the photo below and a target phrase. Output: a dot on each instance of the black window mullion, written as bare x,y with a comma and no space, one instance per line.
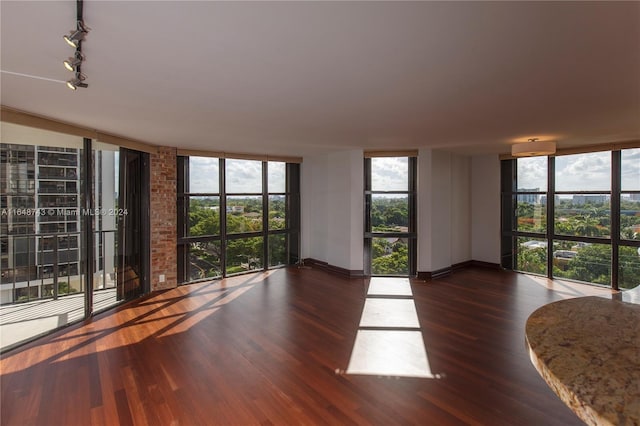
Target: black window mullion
265,216
616,183
223,216
368,239
551,209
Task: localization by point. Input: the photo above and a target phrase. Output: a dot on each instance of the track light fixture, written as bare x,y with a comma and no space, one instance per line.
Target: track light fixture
76,82
72,64
74,38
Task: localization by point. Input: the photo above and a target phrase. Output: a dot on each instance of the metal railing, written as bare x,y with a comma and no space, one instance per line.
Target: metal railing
49,265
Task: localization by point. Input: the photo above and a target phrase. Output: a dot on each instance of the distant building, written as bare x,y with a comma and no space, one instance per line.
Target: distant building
40,220
590,199
529,198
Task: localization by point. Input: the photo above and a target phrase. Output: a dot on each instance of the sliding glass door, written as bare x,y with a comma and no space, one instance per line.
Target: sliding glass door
73,229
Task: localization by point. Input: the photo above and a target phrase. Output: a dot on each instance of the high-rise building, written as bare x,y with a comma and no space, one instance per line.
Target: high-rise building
40,220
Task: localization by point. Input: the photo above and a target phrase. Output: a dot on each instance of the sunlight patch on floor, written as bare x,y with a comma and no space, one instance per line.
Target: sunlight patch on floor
389,353
389,341
569,289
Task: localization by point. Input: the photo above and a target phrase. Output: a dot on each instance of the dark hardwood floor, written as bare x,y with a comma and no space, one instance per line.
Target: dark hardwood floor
272,348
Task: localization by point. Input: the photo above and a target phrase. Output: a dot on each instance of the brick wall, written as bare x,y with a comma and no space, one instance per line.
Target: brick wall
163,219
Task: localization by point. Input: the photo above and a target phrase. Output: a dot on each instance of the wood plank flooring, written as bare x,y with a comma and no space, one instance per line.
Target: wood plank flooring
271,349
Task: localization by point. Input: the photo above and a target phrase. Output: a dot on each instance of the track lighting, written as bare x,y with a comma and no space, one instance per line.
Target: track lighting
76,82
72,64
75,37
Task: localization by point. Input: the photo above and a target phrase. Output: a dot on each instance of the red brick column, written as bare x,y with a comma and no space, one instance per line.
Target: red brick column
164,258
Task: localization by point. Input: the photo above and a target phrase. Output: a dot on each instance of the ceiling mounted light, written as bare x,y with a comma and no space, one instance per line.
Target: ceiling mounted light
75,37
72,64
74,83
533,148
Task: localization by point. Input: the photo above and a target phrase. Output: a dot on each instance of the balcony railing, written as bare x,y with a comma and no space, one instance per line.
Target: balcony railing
48,265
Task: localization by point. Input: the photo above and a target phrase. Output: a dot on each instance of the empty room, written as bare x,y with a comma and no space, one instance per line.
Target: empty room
322,212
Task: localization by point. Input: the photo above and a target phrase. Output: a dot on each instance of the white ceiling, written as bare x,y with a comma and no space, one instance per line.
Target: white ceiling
299,78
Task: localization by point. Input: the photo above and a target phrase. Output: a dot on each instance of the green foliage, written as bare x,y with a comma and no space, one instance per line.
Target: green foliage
629,267
389,214
277,250
389,258
242,254
532,260
531,217
245,253
591,264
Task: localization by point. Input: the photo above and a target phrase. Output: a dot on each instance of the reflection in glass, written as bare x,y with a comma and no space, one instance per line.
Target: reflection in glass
389,256
582,261
244,214
629,267
204,260
277,212
630,170
244,254
389,214
204,216
531,213
390,174
583,172
583,215
277,176
532,174
629,217
532,256
243,176
277,250
203,175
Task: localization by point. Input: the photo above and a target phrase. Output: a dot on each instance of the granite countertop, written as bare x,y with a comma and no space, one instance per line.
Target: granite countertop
588,350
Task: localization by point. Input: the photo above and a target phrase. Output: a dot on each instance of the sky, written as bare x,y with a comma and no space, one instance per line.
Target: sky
242,176
390,174
580,172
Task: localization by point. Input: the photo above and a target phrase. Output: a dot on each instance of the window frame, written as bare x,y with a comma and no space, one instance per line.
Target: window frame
292,220
510,235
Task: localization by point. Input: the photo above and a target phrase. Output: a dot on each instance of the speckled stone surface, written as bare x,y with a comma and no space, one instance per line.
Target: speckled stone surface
588,350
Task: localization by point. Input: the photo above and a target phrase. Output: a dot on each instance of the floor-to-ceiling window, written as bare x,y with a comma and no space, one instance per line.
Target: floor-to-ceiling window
574,216
390,216
61,209
235,216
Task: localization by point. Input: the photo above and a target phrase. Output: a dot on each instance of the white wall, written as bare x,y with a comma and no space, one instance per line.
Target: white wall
314,188
460,209
444,223
333,208
485,208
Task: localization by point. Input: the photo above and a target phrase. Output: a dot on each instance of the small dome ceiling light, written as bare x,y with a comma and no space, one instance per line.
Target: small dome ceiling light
533,148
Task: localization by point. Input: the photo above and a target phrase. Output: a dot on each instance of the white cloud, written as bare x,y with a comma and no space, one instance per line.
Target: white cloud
390,174
277,176
243,176
581,172
532,173
631,169
584,172
203,175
